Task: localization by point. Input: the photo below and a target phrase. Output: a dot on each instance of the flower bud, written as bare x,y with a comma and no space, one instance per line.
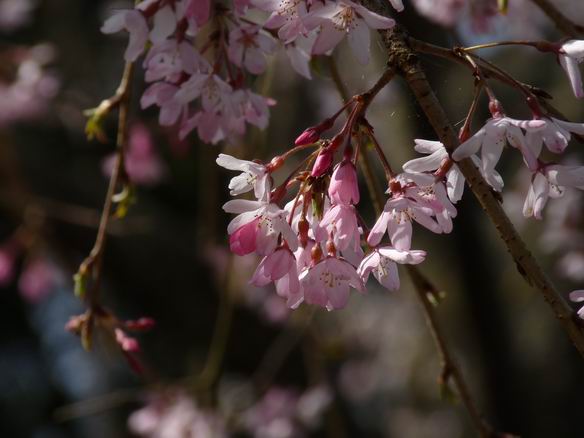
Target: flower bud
323,162
140,324
312,134
343,188
127,343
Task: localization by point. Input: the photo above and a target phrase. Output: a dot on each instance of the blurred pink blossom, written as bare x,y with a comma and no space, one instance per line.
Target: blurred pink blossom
143,164
38,279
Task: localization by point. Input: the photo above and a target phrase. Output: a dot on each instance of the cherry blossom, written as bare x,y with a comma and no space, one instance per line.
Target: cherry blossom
341,221
283,412
396,218
555,135
327,283
343,188
135,23
577,296
254,176
430,192
572,54
171,59
248,47
170,415
299,59
351,19
257,227
550,182
382,263
491,140
281,263
288,16
436,158
141,161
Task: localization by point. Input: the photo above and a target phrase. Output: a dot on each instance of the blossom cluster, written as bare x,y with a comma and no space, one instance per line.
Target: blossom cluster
313,246
200,55
281,412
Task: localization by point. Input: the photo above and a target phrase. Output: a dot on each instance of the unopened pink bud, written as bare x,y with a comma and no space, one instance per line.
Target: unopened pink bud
127,343
310,135
243,240
75,322
140,324
323,162
343,188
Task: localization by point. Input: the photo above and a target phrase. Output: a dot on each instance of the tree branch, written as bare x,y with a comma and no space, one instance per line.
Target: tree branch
406,63
421,284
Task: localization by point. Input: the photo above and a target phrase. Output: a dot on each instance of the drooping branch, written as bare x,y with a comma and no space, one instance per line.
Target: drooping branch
403,58
422,285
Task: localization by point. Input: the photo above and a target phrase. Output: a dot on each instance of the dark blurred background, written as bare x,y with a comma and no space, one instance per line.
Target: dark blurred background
169,258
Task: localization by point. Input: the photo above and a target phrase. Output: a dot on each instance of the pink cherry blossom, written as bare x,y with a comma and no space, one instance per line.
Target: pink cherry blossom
396,218
199,11
340,221
555,135
171,59
248,47
345,18
288,16
328,282
343,188
135,23
572,54
37,280
164,24
141,161
164,95
299,59
254,176
315,231
491,140
323,162
27,91
437,155
382,262
257,227
550,182
15,13
577,296
431,193
174,415
279,267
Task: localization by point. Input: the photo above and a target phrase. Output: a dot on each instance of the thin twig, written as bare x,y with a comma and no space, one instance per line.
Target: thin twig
93,263
488,70
449,366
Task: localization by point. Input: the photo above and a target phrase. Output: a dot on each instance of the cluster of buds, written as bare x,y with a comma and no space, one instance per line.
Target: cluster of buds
85,324
198,54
